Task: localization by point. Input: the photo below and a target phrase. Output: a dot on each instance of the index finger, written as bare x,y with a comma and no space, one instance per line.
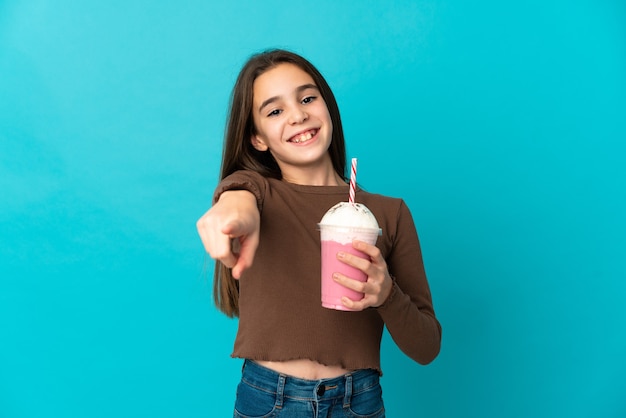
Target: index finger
369,249
217,245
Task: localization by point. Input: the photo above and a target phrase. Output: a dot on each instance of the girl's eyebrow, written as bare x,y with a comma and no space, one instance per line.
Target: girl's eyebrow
299,89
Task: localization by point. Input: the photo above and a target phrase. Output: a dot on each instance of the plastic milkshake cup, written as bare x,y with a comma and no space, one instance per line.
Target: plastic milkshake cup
342,224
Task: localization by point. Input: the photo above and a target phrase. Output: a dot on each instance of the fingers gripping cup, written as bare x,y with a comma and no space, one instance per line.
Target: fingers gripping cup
342,224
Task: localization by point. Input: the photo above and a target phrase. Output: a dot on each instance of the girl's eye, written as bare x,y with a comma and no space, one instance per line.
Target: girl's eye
308,99
274,112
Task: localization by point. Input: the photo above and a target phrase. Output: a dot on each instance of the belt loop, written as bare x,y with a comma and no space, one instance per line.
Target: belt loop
280,390
348,392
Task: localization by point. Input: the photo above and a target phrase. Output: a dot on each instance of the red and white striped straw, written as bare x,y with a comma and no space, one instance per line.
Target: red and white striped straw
352,180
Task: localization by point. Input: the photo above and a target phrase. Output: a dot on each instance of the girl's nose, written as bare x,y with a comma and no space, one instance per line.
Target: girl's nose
298,116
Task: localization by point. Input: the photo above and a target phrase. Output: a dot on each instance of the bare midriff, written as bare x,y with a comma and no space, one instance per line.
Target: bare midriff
304,369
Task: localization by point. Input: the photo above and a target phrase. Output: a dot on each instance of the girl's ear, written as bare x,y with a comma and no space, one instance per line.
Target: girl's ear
258,143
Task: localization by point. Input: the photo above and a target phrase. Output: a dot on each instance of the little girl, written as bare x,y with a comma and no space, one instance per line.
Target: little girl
283,167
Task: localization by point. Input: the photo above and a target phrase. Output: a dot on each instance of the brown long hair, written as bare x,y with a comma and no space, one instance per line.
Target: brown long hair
239,154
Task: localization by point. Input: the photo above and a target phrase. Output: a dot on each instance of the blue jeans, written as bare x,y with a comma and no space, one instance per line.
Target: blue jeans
265,393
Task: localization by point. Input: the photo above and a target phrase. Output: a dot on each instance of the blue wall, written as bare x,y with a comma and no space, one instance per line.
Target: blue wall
502,125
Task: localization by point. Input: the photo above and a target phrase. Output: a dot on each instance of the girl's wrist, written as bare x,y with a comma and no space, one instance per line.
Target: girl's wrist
391,294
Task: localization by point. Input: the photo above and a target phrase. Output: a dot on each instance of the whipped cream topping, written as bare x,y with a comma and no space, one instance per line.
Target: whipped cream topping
346,214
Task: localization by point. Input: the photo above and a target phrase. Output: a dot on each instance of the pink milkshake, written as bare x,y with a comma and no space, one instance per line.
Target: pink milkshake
342,224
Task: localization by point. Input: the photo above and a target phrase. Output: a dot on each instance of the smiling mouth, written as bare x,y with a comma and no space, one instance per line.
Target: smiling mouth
303,137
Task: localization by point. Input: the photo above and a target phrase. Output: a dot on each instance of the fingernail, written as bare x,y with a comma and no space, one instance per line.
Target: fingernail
341,254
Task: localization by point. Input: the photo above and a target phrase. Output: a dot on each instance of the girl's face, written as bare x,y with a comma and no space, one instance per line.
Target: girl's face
292,121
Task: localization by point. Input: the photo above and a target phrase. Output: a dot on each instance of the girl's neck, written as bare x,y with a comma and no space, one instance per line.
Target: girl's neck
314,177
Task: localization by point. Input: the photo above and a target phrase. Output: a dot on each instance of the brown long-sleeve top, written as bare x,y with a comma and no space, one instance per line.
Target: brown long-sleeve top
281,317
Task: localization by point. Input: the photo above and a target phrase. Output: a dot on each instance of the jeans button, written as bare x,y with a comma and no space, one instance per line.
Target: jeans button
321,390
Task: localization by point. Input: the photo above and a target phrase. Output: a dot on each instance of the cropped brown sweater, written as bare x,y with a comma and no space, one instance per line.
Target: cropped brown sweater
281,317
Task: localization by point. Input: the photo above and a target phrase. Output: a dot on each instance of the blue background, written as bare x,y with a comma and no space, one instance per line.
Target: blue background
502,124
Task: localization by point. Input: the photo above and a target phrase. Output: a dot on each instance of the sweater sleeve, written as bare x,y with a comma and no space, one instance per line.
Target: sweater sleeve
408,312
248,180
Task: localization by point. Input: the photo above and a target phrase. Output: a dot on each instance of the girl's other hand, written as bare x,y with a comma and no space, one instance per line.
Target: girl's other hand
378,285
230,230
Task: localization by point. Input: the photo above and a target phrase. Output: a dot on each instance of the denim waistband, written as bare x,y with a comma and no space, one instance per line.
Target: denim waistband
283,385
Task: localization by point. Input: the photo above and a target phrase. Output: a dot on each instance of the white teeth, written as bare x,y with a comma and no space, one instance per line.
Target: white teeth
303,137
